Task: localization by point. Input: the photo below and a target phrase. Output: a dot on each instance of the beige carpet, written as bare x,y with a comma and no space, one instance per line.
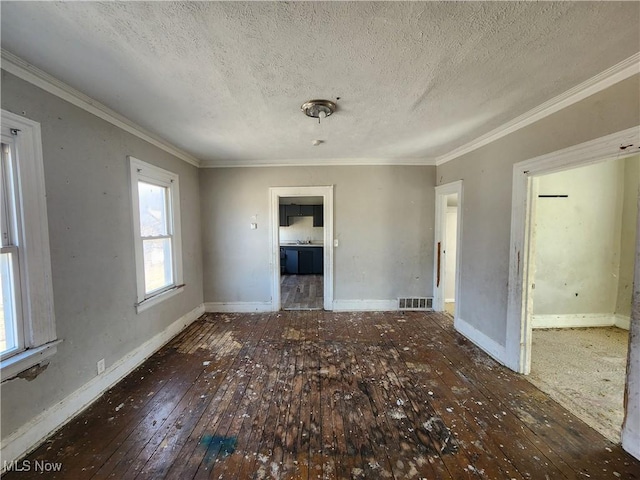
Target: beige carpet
584,370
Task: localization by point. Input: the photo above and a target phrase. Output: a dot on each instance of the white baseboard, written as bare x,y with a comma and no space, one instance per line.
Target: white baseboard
581,320
631,443
237,307
30,435
622,321
490,346
365,305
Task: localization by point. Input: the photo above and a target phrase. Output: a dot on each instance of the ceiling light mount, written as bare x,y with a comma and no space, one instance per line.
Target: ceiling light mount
318,108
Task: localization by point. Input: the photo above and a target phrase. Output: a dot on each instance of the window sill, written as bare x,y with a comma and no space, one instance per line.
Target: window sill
156,299
13,366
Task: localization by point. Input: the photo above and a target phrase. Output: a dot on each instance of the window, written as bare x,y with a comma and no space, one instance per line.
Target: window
11,325
27,322
156,226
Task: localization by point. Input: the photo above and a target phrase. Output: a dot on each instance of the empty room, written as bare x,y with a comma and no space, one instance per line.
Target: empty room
319,240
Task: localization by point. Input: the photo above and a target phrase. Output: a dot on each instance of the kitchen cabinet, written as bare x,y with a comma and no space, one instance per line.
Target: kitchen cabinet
288,211
302,260
318,260
284,219
305,261
292,210
299,210
291,261
318,216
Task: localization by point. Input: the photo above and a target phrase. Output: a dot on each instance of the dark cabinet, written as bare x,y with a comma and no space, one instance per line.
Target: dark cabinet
305,261
299,210
318,216
292,210
284,219
318,261
291,260
302,260
288,211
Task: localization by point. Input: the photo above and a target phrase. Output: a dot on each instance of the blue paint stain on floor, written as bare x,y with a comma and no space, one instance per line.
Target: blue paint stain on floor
218,446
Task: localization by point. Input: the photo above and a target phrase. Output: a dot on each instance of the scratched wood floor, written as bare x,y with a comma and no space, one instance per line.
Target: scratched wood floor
298,395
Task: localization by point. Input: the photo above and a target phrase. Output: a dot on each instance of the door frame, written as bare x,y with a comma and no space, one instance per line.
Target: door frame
519,296
439,244
326,192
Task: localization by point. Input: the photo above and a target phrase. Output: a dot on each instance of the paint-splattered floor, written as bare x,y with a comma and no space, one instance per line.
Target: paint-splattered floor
318,395
584,369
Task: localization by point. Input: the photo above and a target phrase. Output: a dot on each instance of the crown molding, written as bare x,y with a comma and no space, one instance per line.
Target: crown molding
327,162
32,74
621,71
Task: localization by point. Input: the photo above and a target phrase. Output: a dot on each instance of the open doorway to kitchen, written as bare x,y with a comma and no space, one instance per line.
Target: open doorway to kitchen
301,223
302,248
581,254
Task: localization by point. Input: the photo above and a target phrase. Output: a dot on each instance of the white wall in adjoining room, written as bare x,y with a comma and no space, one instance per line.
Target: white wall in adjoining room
577,240
451,250
584,245
631,185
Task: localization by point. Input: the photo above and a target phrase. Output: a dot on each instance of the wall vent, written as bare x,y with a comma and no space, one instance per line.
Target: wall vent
415,303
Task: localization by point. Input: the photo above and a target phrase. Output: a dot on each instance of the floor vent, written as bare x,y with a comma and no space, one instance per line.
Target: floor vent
415,303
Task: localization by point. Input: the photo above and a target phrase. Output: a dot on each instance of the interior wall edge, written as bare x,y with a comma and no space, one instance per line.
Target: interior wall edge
30,435
497,351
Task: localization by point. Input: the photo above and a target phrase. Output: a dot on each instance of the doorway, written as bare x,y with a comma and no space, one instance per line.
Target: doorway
301,223
581,254
519,331
447,242
302,248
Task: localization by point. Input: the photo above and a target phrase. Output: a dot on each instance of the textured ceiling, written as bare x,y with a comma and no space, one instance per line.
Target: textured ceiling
224,81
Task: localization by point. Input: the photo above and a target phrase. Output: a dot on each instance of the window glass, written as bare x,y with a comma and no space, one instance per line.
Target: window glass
153,210
158,268
8,317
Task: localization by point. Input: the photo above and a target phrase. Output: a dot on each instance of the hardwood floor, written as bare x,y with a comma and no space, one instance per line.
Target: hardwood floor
312,394
302,292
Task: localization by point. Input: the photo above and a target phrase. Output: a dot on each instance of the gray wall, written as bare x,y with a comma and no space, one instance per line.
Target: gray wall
487,177
90,231
383,219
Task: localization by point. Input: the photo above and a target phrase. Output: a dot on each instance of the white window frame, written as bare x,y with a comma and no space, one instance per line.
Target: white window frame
39,340
145,172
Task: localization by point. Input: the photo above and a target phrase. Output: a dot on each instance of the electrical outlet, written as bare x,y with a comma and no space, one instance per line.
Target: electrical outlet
100,366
